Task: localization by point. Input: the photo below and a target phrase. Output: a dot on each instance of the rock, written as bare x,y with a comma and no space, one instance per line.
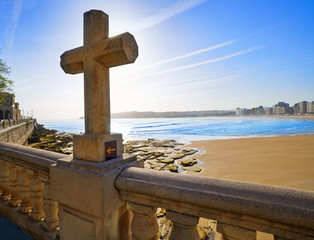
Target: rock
194,169
188,162
171,168
164,227
167,160
177,155
152,162
164,152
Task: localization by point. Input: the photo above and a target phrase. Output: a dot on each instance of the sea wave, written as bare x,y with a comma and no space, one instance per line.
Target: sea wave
188,129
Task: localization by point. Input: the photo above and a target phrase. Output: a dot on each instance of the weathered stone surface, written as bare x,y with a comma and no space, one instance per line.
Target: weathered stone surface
85,190
248,206
91,147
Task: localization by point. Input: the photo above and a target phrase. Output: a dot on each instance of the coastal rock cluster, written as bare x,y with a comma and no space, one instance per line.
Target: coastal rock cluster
165,155
160,155
51,140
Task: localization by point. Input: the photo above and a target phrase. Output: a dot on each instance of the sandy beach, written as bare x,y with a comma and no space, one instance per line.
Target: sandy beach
283,161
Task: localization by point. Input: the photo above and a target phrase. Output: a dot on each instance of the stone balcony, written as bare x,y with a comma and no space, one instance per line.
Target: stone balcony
115,200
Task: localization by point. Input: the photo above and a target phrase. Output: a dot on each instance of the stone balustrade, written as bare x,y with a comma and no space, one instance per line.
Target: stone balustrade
91,200
10,123
17,132
25,197
239,208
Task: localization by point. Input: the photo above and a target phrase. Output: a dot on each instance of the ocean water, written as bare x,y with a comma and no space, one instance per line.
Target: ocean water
193,129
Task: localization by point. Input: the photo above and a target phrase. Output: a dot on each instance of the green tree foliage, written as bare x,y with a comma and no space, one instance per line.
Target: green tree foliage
5,83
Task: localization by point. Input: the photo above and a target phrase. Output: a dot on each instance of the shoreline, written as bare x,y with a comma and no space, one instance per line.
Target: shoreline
282,161
275,160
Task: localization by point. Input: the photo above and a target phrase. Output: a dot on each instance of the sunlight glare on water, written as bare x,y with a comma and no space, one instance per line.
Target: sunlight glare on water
192,129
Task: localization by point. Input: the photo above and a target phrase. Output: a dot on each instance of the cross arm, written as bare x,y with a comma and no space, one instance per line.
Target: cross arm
115,51
111,52
72,61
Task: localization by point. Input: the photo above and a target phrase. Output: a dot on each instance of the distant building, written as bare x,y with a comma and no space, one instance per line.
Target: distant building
282,108
282,104
310,107
260,110
302,107
269,111
9,109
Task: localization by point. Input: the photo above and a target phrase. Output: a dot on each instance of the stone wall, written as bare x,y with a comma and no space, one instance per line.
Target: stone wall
18,134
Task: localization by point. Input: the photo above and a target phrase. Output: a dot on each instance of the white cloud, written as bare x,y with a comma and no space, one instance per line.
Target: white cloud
166,13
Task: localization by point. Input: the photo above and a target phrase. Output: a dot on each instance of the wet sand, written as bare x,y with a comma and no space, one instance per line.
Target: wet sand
283,161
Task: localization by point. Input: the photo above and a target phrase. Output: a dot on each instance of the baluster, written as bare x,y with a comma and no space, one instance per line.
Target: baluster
5,182
36,187
51,220
144,224
25,195
14,186
184,226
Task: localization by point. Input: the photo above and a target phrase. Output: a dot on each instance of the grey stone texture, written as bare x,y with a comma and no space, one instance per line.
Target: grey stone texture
18,134
281,211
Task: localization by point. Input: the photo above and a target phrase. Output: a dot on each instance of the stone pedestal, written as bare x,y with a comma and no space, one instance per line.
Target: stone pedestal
89,203
97,147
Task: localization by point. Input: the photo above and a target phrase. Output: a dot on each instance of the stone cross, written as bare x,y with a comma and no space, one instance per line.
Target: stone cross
94,59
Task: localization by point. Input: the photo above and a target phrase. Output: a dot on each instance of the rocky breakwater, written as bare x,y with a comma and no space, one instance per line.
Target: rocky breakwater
166,155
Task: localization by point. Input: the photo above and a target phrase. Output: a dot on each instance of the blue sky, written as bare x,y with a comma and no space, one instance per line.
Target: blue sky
193,54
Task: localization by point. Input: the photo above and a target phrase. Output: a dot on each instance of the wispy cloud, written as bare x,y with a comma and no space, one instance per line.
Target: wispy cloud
268,28
193,65
163,14
211,82
206,81
206,62
186,55
16,13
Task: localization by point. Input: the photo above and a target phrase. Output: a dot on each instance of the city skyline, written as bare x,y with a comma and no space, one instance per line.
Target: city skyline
280,108
193,54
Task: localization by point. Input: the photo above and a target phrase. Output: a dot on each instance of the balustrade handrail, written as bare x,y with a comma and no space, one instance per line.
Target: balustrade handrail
25,188
31,158
209,197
